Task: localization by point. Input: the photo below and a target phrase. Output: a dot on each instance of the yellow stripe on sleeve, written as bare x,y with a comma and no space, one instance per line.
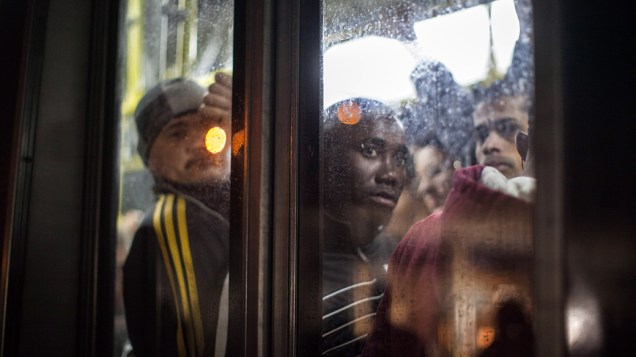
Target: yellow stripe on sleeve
156,220
191,276
176,258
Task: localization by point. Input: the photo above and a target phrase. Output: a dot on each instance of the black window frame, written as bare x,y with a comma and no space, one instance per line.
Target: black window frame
274,226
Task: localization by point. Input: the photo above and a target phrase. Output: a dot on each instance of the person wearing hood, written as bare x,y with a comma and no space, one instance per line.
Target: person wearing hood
175,273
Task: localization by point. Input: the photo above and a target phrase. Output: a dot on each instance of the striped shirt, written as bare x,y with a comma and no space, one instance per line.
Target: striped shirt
352,289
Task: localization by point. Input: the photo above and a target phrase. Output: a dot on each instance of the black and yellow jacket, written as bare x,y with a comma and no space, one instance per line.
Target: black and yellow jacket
173,278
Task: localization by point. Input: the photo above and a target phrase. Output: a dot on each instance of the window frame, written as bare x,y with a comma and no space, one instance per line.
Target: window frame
276,100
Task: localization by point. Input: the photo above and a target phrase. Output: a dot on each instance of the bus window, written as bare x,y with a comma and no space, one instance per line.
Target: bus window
174,161
426,184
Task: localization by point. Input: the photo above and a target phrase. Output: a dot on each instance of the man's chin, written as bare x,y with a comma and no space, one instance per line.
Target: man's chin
202,180
432,203
506,170
380,216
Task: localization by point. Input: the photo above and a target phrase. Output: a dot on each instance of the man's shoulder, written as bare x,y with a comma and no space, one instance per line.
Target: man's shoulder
423,232
176,205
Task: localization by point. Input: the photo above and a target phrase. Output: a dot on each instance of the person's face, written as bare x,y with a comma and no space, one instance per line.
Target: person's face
433,173
377,159
495,127
179,153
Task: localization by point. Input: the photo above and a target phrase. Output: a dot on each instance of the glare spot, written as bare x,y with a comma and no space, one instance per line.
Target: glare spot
215,140
584,330
465,46
238,140
370,67
349,113
485,336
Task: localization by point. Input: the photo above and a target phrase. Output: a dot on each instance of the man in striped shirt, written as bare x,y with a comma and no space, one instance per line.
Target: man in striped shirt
175,272
365,168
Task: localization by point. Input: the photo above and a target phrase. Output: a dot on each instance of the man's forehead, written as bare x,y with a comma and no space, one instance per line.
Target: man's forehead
501,104
371,123
379,127
192,118
504,108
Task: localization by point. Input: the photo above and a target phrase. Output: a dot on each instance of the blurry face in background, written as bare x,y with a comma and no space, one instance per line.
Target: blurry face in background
433,174
495,127
179,153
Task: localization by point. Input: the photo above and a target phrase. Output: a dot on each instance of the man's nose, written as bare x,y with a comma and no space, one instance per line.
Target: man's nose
195,141
389,172
492,143
422,187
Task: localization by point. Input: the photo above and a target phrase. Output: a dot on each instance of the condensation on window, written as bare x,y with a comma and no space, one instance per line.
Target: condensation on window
427,179
174,178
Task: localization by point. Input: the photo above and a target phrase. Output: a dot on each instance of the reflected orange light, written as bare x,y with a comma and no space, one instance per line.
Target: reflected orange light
485,337
238,140
349,113
215,140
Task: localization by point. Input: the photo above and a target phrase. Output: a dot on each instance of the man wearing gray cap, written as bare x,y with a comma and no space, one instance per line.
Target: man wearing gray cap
175,272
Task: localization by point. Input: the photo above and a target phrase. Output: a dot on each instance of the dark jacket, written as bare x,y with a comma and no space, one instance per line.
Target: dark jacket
173,278
353,284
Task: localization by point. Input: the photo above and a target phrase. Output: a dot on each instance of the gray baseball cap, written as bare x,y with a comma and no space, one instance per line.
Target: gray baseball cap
163,102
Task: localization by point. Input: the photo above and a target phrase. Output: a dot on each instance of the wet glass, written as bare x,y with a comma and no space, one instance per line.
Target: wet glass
410,92
174,161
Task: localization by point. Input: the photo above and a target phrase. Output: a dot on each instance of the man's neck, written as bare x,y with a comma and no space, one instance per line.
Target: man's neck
215,196
337,235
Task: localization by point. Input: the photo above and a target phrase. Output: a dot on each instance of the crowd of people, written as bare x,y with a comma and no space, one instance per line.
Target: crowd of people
427,229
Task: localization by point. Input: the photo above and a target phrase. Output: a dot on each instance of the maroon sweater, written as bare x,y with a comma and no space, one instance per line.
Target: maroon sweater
406,320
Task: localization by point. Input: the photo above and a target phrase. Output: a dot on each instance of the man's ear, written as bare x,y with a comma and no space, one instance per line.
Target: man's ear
522,144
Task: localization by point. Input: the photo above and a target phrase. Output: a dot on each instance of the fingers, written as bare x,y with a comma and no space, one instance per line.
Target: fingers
224,79
217,100
216,114
217,103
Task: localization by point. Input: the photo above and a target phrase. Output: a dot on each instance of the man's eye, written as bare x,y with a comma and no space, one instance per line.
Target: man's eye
368,150
401,159
480,134
177,134
507,129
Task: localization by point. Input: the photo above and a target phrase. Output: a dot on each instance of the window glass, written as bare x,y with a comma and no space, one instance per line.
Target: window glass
173,231
427,182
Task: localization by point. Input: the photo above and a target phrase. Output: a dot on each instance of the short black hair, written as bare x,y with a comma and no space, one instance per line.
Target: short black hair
517,82
369,109
339,117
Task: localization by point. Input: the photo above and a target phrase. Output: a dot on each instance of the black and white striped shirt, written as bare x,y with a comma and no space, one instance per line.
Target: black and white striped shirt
352,288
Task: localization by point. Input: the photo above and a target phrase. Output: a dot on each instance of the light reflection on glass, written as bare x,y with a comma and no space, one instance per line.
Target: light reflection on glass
215,140
378,67
584,329
349,113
